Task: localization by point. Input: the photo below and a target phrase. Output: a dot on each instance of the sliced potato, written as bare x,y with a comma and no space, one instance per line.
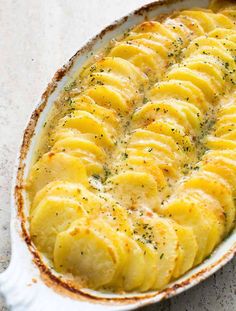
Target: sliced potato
120,67
142,164
156,27
218,188
109,97
173,129
188,249
87,151
89,253
86,103
217,143
212,70
134,190
76,191
218,162
169,168
133,271
100,205
55,166
159,234
183,32
200,80
183,90
122,85
114,214
167,250
87,123
221,55
191,212
153,45
153,111
142,57
141,141
78,143
223,21
145,135
204,19
52,216
194,26
150,259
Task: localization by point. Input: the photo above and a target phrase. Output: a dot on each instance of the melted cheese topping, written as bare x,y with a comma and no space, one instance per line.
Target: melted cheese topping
126,198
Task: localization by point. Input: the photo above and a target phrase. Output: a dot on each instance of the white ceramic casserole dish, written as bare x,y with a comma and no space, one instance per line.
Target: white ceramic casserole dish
28,284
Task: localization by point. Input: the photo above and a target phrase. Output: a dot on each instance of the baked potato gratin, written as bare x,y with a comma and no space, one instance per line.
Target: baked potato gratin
135,177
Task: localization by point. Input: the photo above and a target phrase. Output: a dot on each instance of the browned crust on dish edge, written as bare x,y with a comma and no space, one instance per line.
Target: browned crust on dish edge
59,285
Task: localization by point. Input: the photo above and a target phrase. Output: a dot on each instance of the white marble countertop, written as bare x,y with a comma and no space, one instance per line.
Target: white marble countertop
37,37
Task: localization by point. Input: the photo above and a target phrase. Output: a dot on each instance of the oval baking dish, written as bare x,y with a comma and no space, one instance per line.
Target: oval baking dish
30,282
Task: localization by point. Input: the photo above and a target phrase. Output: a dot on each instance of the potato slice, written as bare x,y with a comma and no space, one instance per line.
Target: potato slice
152,44
60,133
156,27
122,85
223,169
229,11
173,129
150,259
231,135
133,271
191,212
86,103
75,191
202,42
194,26
188,249
169,169
89,252
204,19
221,55
223,21
167,250
153,111
101,205
109,97
163,41
87,151
114,214
200,80
219,189
55,166
212,70
226,130
52,216
152,145
217,143
213,205
183,33
145,164
183,90
228,154
217,162
142,57
222,33
87,123
134,190
158,233
145,135
87,146
119,67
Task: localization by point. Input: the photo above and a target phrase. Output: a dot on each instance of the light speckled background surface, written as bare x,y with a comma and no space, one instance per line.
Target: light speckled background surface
37,37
